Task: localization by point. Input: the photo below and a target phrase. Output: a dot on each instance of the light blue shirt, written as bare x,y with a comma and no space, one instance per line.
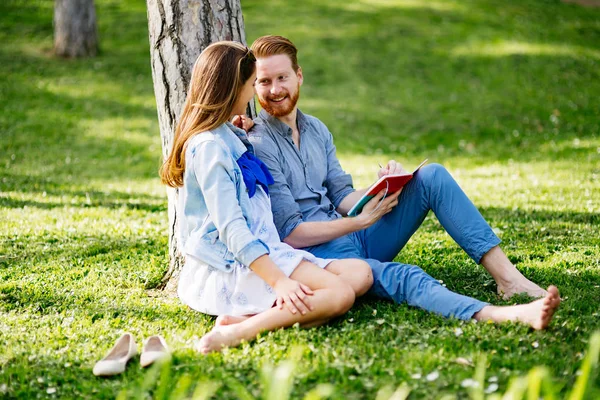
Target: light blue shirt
214,201
309,182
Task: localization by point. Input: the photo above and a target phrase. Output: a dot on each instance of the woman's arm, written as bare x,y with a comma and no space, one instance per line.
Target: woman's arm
289,292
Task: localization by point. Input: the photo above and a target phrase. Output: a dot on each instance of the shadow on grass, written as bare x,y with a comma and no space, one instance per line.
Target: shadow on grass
73,195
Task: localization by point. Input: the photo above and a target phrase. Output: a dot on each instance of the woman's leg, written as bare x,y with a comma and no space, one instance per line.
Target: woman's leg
536,314
356,273
223,320
332,297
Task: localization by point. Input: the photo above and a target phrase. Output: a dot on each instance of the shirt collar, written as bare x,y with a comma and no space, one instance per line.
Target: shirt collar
235,138
281,127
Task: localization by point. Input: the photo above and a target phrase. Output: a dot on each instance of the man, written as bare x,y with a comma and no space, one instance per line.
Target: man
311,193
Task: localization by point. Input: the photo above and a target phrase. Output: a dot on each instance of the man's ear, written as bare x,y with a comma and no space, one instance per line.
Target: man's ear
299,75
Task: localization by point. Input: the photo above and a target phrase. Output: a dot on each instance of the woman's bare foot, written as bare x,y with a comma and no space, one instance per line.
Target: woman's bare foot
223,320
536,314
520,285
217,338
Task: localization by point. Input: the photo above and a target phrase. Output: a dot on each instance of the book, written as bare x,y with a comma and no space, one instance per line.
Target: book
392,183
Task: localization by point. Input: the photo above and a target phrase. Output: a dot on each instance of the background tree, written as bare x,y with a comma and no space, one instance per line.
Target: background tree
179,31
75,31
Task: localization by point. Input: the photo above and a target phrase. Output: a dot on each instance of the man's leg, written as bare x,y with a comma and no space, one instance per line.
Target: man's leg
404,282
433,188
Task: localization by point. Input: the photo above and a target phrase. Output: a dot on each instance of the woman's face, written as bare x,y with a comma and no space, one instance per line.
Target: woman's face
246,94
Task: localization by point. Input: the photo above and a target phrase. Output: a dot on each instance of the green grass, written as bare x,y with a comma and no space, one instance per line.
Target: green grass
506,94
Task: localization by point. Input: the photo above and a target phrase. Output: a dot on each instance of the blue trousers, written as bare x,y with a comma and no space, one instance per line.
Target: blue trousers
432,188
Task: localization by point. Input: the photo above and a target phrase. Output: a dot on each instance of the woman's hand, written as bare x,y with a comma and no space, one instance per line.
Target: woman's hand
293,294
243,122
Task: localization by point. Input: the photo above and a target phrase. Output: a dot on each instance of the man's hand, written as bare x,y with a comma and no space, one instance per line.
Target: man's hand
392,168
373,211
243,122
293,294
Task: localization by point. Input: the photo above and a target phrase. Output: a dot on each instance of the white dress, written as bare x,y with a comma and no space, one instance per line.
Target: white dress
241,291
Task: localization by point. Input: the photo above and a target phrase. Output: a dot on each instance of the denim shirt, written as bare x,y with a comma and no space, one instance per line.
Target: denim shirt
214,201
309,182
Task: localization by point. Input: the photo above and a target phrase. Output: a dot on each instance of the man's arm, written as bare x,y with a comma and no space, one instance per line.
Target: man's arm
313,233
349,201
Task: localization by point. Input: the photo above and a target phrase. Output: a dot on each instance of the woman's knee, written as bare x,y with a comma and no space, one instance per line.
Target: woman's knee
363,270
342,298
356,272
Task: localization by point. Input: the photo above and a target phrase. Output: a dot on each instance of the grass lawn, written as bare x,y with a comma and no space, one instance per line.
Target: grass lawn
505,94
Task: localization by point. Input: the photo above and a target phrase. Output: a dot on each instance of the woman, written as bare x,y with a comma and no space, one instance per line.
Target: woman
236,266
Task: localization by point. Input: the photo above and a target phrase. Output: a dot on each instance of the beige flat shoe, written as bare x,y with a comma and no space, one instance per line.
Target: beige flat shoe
155,349
115,361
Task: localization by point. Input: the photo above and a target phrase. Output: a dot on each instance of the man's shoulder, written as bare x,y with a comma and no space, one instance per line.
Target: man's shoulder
314,121
260,134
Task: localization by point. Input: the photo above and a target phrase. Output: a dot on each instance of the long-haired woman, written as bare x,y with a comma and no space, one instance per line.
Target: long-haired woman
236,266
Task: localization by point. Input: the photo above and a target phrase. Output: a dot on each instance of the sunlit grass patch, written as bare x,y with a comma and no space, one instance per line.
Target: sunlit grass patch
83,216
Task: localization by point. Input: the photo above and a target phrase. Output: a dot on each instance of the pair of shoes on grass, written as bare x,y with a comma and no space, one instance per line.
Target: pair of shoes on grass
155,349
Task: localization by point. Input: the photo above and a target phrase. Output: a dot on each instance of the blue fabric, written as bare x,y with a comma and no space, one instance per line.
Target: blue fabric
311,173
310,185
254,172
215,207
432,188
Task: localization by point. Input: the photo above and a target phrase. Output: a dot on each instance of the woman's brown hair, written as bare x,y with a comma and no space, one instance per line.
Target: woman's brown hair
218,76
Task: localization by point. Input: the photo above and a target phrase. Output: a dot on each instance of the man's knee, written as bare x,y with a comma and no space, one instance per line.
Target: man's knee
429,172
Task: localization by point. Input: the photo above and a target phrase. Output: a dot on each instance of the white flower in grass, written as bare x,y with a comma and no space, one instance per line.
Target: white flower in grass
535,345
51,390
469,383
432,376
492,388
458,332
416,376
3,388
493,379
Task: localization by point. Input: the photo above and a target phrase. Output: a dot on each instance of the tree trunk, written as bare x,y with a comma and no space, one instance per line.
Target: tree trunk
75,33
179,31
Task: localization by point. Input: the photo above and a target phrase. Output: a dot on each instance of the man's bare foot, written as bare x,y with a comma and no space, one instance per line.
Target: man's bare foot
509,279
223,320
521,285
217,338
539,313
536,314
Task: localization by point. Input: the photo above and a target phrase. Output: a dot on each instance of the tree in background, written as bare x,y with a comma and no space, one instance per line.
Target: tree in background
179,31
75,32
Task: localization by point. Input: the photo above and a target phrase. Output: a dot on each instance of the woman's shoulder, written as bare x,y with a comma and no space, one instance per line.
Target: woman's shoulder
208,141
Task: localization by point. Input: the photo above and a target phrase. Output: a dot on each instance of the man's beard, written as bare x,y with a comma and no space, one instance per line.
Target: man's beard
280,110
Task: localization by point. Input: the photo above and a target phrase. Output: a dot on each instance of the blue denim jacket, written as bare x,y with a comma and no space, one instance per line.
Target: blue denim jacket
214,201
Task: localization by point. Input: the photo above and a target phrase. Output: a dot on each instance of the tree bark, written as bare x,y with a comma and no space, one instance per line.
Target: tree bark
75,32
179,31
